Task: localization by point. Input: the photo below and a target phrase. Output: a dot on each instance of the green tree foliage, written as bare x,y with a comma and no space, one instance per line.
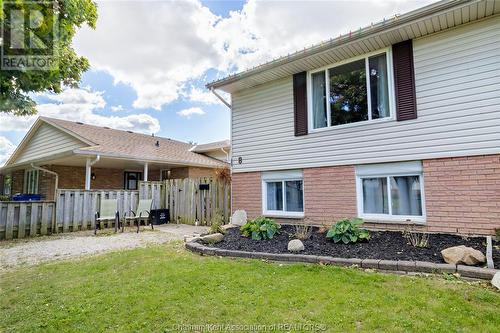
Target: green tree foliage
17,85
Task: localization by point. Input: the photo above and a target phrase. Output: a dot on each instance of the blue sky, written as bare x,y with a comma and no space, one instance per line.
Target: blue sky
150,60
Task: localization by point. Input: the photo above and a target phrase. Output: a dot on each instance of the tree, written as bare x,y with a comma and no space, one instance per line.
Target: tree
61,21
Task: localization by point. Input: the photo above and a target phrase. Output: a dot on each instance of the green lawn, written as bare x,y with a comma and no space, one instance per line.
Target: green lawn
152,289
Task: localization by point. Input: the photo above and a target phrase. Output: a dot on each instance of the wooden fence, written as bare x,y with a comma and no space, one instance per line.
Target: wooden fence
76,209
19,219
190,200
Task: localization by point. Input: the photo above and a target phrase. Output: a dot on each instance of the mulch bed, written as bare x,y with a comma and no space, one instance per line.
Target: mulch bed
388,245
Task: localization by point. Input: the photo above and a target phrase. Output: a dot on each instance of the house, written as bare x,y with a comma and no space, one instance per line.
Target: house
88,157
397,123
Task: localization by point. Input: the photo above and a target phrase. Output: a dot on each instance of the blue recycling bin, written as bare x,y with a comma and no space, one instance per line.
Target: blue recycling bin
27,197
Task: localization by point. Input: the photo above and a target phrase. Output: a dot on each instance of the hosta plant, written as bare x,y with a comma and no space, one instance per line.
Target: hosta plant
348,231
260,228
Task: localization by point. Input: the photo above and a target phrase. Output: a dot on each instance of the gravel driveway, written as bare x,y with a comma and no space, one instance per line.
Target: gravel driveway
70,245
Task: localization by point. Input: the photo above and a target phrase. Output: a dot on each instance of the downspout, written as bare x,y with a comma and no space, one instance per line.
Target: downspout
227,154
88,167
220,97
56,185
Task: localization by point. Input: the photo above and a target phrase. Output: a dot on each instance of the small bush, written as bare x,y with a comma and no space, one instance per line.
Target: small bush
4,198
348,231
260,228
416,239
302,232
497,234
216,224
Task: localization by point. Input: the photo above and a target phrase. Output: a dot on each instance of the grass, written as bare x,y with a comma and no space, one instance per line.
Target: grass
155,288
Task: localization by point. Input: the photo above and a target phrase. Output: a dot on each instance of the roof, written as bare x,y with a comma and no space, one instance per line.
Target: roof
427,20
114,143
206,147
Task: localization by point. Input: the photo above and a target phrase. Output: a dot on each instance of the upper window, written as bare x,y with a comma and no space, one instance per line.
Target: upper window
283,193
390,191
352,92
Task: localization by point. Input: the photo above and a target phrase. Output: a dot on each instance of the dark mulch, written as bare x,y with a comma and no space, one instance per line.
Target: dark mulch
388,245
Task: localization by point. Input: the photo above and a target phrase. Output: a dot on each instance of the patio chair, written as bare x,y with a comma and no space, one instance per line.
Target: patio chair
107,211
142,213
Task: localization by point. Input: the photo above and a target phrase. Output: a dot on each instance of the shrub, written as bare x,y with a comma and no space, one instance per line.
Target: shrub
216,224
497,234
302,232
348,231
4,198
416,239
260,228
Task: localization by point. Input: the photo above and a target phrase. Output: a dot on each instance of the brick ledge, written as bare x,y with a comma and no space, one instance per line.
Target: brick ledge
383,265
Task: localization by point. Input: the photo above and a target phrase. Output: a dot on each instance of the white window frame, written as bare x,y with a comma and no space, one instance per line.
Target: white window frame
282,176
31,180
366,56
388,218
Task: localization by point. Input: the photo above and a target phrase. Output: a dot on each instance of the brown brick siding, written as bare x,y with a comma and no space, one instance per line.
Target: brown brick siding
463,194
329,194
191,172
246,193
17,181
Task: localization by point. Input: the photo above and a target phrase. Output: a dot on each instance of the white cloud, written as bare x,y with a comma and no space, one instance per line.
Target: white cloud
157,47
187,113
80,105
117,108
6,149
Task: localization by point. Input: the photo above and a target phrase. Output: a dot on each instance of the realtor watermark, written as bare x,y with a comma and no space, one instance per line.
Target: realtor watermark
29,34
278,327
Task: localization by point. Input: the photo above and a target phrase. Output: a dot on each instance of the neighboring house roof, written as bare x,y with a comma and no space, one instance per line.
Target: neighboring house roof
114,143
206,147
421,22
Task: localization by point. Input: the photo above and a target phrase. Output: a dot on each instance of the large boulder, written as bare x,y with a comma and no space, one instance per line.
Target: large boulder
463,255
295,245
496,280
213,238
239,218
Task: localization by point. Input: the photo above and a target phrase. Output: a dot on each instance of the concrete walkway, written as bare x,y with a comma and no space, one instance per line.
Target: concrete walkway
32,251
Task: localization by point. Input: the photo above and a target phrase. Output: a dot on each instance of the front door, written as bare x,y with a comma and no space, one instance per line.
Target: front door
132,180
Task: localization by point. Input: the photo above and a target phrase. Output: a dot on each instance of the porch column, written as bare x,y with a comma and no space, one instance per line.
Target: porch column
146,169
88,172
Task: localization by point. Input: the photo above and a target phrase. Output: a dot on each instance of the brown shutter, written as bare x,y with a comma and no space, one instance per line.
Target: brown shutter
404,81
300,103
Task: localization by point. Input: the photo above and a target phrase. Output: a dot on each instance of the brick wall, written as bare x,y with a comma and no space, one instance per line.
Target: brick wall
195,172
246,193
329,194
17,181
463,194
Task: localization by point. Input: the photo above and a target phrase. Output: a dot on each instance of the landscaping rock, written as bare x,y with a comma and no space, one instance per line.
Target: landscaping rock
462,254
239,218
295,245
212,239
496,280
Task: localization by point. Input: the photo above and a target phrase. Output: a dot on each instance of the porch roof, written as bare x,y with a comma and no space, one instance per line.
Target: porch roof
116,145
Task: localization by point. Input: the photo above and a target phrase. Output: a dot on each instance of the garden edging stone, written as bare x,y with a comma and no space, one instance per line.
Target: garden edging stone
395,266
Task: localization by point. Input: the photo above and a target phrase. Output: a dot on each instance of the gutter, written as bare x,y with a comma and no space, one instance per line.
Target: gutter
344,39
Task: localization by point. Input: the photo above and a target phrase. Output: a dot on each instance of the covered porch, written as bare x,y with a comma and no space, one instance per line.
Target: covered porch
92,172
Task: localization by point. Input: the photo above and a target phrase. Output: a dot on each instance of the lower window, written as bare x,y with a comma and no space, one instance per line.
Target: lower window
397,196
131,180
283,194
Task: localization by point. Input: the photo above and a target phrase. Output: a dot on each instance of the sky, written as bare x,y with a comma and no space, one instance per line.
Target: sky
150,60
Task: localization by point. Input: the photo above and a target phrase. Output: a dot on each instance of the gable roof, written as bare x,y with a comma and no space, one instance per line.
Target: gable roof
206,147
424,21
113,143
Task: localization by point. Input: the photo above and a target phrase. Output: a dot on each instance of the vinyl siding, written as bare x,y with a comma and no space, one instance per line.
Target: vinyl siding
47,141
458,104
